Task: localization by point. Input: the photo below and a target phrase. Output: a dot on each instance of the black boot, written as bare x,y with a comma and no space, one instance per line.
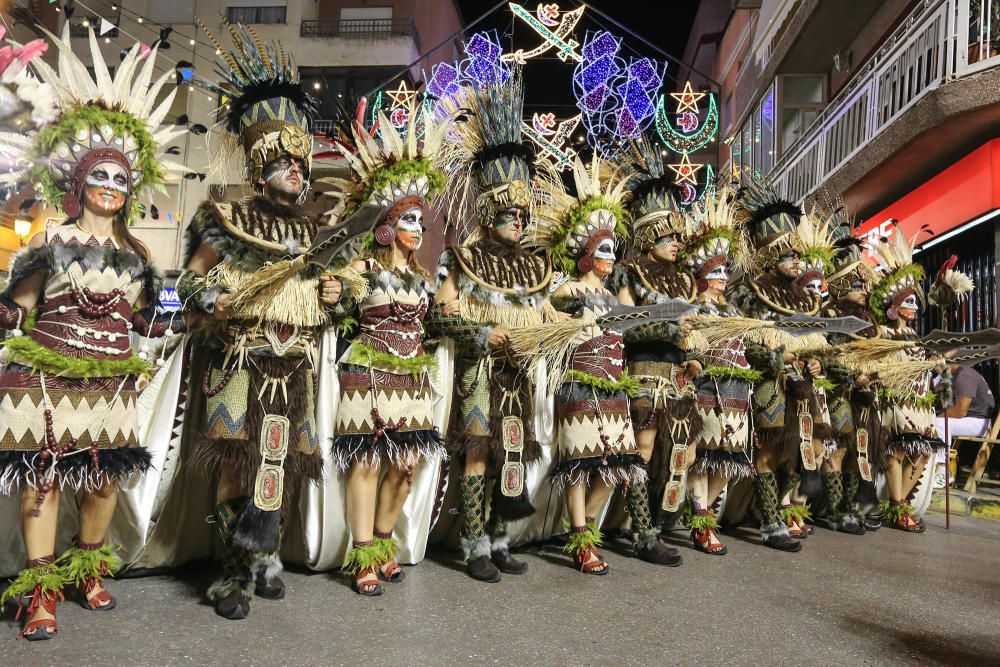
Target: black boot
268,584
474,540
505,562
648,546
773,531
830,516
231,593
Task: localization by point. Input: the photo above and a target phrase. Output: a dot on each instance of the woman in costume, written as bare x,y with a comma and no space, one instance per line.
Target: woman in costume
713,246
384,419
909,433
77,294
597,448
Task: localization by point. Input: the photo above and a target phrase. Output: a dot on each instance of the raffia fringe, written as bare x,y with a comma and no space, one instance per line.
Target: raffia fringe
900,375
721,329
512,317
553,342
269,295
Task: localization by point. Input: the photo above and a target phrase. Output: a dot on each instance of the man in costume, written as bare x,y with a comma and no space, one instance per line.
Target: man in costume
258,438
489,285
663,412
77,293
713,246
787,415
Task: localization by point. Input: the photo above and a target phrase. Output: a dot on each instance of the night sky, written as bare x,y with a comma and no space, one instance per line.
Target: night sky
547,79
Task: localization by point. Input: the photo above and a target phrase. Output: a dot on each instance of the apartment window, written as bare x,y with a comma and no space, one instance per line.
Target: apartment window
802,98
763,133
366,19
256,14
746,148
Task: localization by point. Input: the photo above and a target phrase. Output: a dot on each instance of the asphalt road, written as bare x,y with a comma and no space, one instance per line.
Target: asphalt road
882,599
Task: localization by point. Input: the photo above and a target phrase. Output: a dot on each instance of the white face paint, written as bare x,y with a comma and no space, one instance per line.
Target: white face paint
814,286
412,220
108,175
605,250
721,272
910,303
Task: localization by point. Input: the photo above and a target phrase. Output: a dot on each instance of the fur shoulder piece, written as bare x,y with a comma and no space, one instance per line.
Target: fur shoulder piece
25,263
650,281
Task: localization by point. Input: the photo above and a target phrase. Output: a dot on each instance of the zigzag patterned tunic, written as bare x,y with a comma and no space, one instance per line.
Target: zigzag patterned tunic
386,402
72,375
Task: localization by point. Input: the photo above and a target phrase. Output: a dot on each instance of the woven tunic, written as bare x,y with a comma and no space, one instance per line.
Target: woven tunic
73,372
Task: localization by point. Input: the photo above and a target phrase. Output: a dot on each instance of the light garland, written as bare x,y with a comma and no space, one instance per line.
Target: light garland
692,138
685,170
554,31
551,138
483,65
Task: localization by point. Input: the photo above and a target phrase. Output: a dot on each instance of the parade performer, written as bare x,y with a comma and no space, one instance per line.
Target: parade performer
909,434
786,413
713,246
490,284
384,419
854,415
77,293
257,368
663,411
597,448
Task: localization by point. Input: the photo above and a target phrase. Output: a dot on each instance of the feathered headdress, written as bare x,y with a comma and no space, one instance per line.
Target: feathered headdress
571,227
397,172
264,108
90,119
819,246
714,235
850,271
655,211
772,224
487,158
898,276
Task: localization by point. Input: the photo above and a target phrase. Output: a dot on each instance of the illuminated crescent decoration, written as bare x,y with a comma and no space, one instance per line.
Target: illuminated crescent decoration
557,37
681,143
688,122
544,123
690,194
548,14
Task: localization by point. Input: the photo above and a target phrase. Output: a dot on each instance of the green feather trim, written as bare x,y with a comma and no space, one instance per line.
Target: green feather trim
405,170
895,512
577,542
389,547
799,513
362,355
29,352
880,294
360,559
824,384
917,400
48,578
626,382
78,564
726,373
702,522
89,116
346,325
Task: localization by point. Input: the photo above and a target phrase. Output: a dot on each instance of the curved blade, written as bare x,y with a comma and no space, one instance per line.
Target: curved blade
331,240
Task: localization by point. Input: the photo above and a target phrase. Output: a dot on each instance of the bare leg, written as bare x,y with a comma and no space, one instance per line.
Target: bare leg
576,503
362,487
597,495
39,531
229,487
392,495
894,477
916,470
716,483
698,487
96,511
475,465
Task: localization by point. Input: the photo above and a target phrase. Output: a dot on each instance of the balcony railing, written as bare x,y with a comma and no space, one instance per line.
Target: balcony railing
929,48
365,28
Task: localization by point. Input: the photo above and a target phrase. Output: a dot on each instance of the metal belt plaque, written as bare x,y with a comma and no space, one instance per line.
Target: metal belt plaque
864,464
270,482
806,436
512,473
673,494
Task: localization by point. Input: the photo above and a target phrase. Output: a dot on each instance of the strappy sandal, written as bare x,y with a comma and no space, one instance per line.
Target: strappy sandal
42,628
363,584
397,572
703,542
102,601
907,524
589,561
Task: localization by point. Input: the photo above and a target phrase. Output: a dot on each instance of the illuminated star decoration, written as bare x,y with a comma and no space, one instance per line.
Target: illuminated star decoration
685,170
594,79
691,138
403,96
554,33
551,138
687,99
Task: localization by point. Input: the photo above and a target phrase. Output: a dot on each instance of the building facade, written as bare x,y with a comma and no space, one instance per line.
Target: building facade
344,48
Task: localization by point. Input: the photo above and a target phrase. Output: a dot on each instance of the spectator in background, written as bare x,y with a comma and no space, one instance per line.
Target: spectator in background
970,415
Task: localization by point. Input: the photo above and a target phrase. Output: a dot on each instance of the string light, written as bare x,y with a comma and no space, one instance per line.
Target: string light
551,138
483,64
692,138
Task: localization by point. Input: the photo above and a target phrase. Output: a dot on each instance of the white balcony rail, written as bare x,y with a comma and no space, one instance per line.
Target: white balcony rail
939,40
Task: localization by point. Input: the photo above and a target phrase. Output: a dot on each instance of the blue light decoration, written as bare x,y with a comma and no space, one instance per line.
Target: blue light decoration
616,99
483,65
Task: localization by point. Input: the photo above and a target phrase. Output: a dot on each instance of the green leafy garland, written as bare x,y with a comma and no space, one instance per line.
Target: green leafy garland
881,294
577,216
87,117
405,170
78,564
726,373
693,244
824,384
626,383
919,401
360,559
363,355
577,542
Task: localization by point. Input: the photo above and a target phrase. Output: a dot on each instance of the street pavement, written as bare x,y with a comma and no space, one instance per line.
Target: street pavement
886,598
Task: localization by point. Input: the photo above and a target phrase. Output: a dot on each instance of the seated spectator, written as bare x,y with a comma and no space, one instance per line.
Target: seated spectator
971,414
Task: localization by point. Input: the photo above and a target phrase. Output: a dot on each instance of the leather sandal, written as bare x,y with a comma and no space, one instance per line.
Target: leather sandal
703,542
102,601
589,561
364,585
396,572
42,628
907,524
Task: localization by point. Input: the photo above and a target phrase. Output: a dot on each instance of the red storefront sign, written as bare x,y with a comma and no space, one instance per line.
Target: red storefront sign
961,193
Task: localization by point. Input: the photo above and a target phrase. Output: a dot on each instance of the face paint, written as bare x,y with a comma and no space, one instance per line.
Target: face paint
508,225
908,309
410,229
788,265
665,248
106,188
605,250
285,175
